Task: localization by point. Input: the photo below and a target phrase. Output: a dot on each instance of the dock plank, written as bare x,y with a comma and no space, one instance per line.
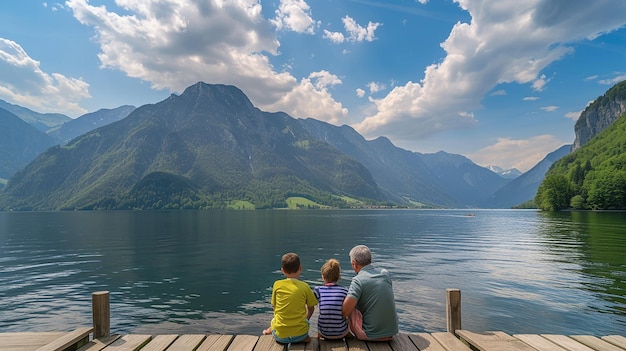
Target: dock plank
314,345
268,343
426,342
401,342
27,340
160,342
187,342
67,339
99,343
131,342
216,343
243,343
333,345
596,343
356,345
450,342
440,341
493,341
539,342
567,342
616,340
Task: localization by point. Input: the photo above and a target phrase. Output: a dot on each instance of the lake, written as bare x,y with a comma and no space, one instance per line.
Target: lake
519,271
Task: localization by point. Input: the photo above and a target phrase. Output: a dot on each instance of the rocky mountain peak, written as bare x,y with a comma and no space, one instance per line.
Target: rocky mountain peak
600,114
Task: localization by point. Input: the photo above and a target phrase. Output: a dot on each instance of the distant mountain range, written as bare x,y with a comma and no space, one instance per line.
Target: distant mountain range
20,143
525,186
88,122
41,121
510,173
210,146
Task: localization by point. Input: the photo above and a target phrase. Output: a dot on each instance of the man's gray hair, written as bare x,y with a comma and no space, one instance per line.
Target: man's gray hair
361,254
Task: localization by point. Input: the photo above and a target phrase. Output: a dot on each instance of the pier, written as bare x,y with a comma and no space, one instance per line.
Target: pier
99,338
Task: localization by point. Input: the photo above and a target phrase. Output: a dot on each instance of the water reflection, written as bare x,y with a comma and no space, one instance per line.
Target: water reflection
212,271
591,245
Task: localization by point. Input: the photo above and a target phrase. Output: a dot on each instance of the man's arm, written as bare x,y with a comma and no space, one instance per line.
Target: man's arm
349,303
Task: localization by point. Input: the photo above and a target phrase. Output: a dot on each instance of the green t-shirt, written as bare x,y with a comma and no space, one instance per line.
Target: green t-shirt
290,298
372,288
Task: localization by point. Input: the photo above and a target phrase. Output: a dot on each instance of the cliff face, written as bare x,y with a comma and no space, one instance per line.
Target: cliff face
600,114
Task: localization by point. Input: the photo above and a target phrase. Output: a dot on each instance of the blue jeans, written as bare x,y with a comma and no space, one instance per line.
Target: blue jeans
290,339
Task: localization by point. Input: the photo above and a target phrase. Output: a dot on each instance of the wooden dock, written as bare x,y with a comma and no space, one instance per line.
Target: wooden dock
99,338
444,341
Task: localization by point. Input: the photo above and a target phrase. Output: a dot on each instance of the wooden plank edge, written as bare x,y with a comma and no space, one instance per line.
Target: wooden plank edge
99,343
68,339
596,343
617,340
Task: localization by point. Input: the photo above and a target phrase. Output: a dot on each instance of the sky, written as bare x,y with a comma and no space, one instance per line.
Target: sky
499,81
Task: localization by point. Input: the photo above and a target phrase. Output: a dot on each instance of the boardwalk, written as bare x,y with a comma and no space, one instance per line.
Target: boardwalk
443,341
99,338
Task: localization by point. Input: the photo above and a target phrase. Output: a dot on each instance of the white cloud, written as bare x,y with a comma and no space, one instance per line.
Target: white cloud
294,15
360,92
530,98
507,41
174,44
324,79
375,87
549,108
23,82
521,154
335,37
573,115
540,82
357,33
613,81
354,32
500,92
312,99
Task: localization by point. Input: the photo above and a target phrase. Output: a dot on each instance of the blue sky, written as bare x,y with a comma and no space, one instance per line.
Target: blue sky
501,81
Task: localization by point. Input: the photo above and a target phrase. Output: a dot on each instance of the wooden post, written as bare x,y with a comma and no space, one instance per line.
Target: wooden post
453,310
101,312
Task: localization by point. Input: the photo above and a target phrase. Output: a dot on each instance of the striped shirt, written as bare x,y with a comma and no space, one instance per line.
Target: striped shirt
330,297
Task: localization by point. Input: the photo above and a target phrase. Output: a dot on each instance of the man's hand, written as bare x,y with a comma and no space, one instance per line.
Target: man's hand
349,303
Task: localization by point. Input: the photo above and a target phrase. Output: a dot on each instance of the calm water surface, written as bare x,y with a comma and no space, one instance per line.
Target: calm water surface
212,271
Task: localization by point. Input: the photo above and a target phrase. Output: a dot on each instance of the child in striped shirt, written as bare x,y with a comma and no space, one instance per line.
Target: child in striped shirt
330,324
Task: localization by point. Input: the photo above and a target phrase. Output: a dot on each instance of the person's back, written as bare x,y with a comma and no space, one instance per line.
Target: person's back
330,323
293,303
375,301
370,304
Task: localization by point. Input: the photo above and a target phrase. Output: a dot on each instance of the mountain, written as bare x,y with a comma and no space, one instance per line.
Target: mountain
524,187
199,149
600,114
88,122
20,143
592,177
439,180
402,175
510,173
470,183
41,121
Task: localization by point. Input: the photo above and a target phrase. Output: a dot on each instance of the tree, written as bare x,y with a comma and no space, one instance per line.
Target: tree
607,190
577,202
554,193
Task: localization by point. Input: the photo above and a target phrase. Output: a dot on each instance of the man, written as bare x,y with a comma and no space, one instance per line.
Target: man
370,305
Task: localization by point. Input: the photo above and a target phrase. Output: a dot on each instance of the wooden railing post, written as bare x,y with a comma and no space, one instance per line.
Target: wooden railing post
101,312
453,310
